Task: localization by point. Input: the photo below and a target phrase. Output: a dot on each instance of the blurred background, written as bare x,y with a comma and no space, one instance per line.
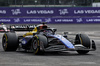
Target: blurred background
49,3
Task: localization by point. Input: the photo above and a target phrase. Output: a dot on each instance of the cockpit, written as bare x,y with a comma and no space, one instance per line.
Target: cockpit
46,31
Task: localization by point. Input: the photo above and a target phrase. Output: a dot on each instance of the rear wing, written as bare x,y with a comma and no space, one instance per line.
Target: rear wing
21,27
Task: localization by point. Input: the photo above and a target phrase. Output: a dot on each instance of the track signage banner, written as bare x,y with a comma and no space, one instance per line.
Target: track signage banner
49,20
48,11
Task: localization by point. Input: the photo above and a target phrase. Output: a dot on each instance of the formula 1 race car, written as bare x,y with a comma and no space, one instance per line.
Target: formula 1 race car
44,38
3,28
21,27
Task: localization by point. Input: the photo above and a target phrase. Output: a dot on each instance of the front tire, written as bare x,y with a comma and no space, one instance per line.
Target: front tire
82,51
84,40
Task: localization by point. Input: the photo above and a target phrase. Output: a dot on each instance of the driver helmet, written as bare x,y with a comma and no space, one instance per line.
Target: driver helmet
43,27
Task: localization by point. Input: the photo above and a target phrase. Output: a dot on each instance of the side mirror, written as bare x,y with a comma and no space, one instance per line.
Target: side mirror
54,30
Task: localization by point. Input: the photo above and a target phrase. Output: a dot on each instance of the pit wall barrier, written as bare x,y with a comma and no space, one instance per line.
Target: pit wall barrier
50,20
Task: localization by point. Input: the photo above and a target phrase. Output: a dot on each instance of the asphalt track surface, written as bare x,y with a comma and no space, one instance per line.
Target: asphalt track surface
69,58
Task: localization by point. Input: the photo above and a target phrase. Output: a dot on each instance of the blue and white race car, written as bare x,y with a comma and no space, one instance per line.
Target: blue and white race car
43,38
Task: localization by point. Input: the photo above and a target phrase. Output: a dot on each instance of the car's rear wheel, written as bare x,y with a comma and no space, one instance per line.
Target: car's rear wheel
84,40
38,44
10,42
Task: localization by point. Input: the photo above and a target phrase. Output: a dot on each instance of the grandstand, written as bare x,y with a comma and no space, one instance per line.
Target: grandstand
46,3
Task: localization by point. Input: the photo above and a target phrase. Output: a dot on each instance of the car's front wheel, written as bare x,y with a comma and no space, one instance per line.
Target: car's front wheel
85,41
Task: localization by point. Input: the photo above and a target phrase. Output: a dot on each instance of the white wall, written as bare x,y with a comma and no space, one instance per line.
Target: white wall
96,4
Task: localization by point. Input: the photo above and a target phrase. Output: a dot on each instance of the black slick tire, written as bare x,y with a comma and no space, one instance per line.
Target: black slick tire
10,41
84,40
39,43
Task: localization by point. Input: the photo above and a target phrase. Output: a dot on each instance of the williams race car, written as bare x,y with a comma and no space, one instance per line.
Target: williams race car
43,38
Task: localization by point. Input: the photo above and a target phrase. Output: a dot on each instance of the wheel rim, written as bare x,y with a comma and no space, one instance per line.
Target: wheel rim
35,44
4,42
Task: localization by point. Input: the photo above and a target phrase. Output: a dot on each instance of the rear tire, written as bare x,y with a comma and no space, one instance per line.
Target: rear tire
84,40
10,42
36,45
39,43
